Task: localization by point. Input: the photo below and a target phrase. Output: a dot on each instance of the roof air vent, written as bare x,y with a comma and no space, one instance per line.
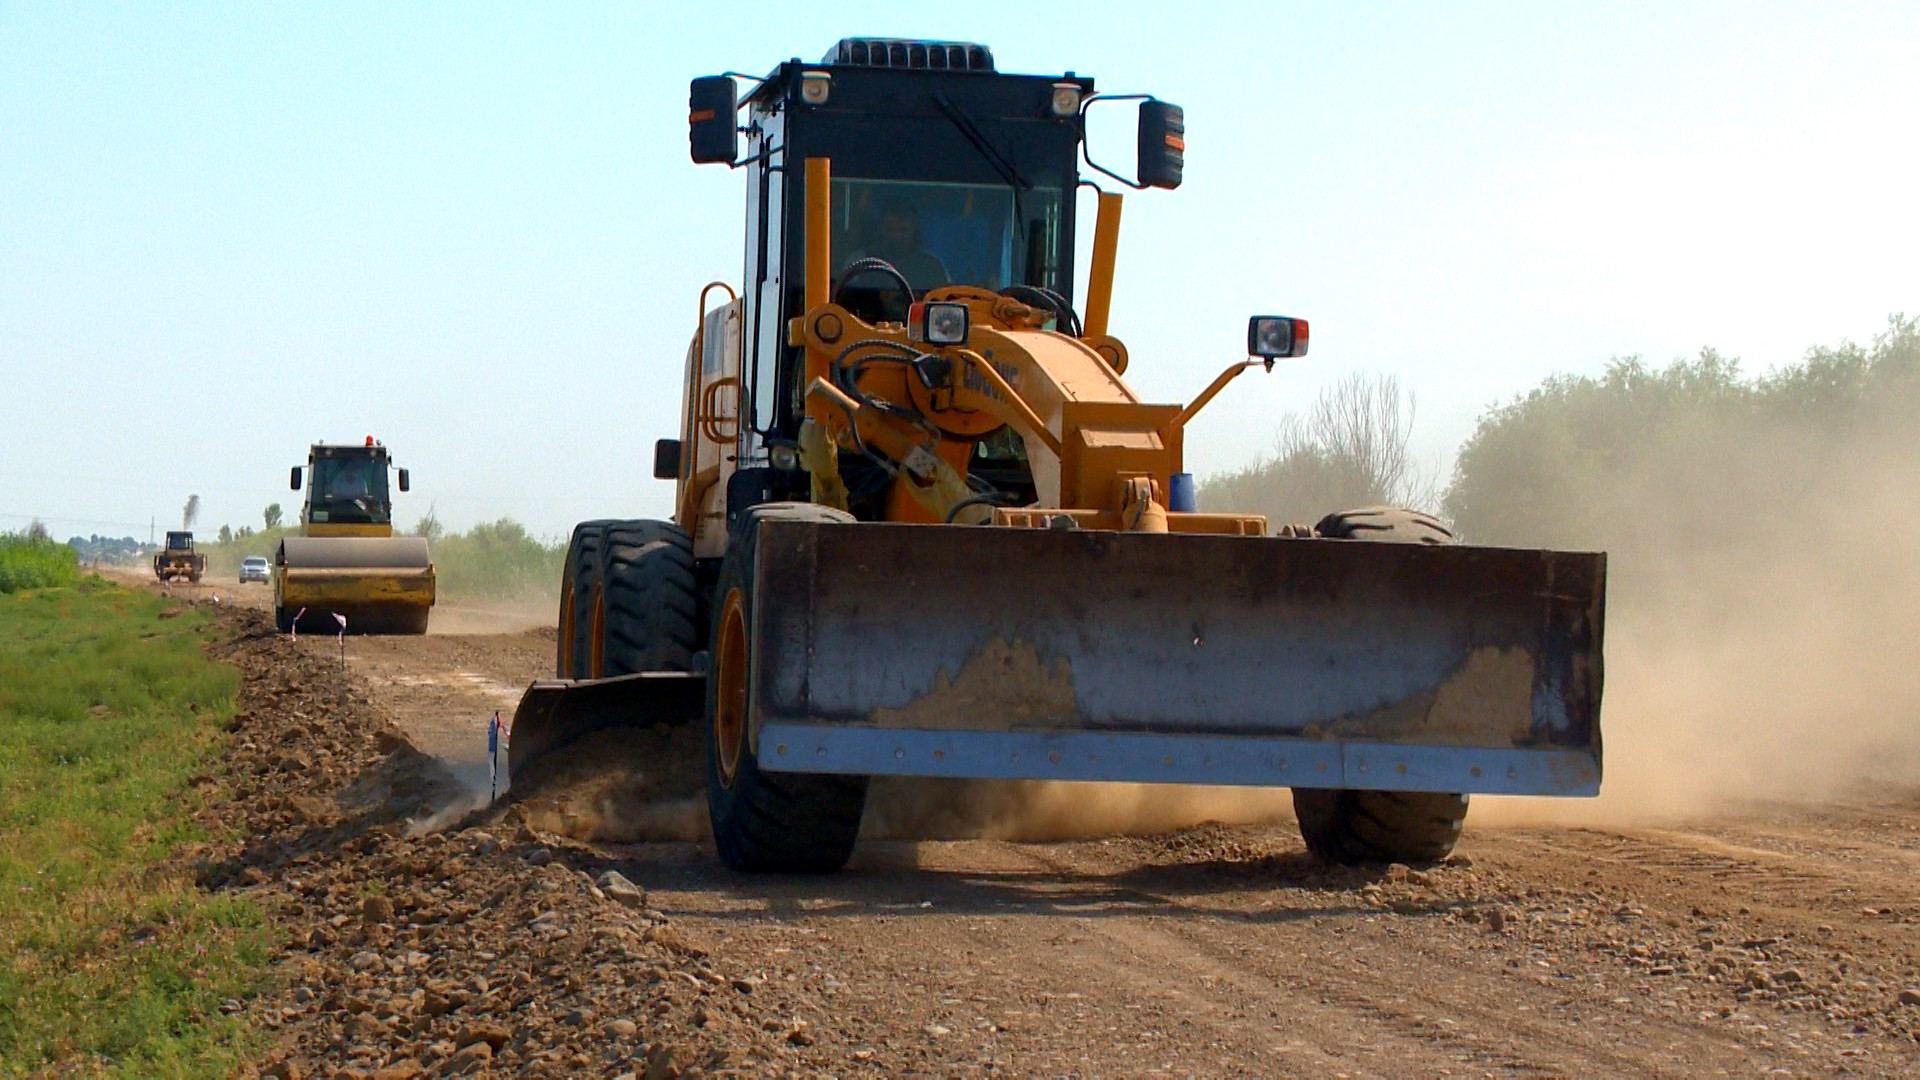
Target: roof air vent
915,55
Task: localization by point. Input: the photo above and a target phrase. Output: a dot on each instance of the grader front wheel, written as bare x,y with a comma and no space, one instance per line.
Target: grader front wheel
576,652
771,822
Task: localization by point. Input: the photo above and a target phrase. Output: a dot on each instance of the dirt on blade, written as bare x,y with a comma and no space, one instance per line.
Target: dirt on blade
1763,938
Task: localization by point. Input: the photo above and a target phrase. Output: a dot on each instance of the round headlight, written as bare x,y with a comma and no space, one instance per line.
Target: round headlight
815,87
1066,98
1276,338
1271,337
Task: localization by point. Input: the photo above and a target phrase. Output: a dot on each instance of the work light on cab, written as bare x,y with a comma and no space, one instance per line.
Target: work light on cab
1066,98
815,87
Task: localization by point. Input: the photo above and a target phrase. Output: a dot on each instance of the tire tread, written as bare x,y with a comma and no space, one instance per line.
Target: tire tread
783,823
652,598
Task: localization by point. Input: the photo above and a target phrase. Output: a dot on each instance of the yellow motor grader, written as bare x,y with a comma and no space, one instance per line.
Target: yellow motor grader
924,527
347,563
179,561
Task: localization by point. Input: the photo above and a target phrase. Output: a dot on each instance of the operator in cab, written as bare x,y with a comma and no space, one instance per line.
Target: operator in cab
898,239
350,481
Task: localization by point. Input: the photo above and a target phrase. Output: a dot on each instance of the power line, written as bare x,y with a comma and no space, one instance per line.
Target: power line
74,520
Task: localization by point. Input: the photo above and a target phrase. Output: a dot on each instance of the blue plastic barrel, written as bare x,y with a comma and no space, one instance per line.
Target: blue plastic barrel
1181,499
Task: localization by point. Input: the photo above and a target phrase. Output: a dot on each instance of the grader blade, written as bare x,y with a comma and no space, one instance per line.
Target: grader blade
1005,653
554,713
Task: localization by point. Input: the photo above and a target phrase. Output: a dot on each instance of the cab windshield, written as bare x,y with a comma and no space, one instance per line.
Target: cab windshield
939,234
349,489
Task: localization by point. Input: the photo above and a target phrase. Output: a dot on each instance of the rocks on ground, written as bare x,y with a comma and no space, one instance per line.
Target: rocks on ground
415,953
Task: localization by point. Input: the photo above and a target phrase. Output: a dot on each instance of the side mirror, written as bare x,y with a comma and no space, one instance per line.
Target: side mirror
666,459
1163,144
711,133
406,482
294,478
1271,337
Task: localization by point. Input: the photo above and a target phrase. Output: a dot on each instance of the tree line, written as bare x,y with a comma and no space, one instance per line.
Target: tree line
1636,455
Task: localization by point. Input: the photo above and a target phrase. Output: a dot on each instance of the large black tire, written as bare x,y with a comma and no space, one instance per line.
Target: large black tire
766,822
579,597
1387,524
1380,826
653,612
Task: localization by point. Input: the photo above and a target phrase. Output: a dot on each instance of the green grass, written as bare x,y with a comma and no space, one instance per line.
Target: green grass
114,962
32,564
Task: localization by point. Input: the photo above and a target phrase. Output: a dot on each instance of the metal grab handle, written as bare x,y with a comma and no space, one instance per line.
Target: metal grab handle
706,418
714,425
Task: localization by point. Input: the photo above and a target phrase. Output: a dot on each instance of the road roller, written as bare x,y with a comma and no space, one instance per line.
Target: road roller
347,571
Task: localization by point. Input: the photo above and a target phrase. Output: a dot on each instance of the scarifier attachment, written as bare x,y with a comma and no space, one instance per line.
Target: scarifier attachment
1002,653
383,585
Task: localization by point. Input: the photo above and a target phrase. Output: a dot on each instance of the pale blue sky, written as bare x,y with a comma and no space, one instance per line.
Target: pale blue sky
472,230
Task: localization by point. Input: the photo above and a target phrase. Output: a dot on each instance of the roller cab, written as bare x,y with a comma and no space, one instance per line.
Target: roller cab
347,563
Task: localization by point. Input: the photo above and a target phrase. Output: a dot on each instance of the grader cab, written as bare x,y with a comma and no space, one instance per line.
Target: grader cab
179,560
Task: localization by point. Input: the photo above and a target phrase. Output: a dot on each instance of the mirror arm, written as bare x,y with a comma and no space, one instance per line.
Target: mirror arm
1104,171
1088,157
1219,384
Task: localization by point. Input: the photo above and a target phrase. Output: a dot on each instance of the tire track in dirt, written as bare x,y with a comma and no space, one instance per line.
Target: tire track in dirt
1403,978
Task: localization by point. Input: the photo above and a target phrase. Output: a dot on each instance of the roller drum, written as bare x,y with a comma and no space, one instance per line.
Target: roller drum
383,585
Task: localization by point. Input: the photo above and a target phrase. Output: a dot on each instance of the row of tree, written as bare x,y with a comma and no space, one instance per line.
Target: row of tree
1635,454
494,559
1638,452
272,516
105,549
1351,449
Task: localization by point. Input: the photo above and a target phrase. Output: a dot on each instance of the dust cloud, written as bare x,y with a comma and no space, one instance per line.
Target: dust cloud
1763,637
637,785
621,785
496,616
1037,811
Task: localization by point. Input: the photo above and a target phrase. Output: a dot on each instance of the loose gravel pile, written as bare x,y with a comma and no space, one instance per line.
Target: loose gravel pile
467,952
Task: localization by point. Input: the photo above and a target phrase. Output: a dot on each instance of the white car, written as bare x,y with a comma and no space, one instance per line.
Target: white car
255,568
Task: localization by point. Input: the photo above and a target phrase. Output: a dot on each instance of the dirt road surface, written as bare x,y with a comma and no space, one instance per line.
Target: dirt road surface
1771,939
